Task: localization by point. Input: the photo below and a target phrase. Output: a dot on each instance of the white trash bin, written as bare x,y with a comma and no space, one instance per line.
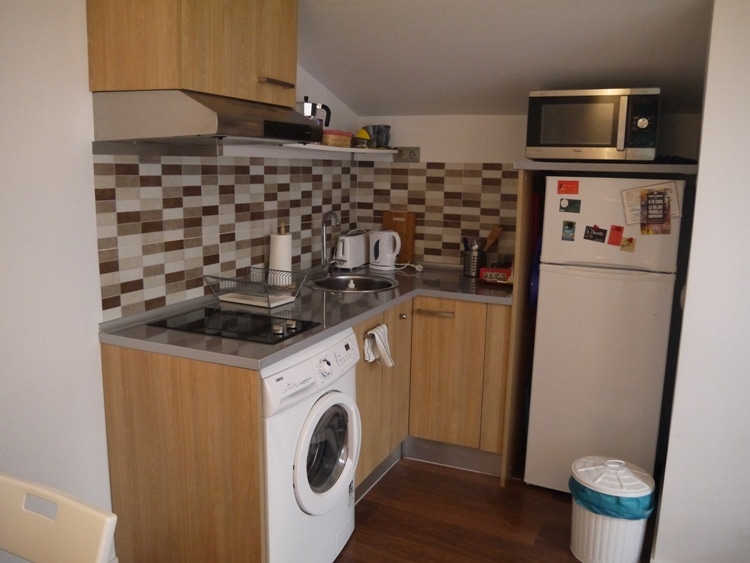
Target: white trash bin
612,500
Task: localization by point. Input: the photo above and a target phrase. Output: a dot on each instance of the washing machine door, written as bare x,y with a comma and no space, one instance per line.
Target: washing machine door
327,453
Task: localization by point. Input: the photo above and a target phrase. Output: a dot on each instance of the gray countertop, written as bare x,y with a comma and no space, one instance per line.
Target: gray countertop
334,312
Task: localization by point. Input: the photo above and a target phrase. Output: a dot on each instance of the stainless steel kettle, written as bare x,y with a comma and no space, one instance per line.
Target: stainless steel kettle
311,110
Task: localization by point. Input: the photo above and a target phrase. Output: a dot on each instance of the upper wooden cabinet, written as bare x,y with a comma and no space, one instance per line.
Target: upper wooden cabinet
244,49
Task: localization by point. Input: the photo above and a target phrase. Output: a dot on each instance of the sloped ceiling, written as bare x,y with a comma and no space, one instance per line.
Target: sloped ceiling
482,57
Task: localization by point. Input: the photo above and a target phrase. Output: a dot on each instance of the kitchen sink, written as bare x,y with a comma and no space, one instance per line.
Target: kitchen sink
354,283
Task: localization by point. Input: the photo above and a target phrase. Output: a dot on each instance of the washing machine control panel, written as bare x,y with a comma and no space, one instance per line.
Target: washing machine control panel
298,380
324,367
338,360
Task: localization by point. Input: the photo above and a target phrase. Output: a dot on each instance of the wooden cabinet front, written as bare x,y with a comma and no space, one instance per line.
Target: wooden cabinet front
396,380
496,359
447,370
383,392
244,49
185,446
369,402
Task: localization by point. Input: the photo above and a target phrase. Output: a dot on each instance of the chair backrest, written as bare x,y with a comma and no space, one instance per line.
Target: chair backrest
48,526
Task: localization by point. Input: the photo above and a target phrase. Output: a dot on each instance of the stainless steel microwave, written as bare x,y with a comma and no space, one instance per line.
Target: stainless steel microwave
590,125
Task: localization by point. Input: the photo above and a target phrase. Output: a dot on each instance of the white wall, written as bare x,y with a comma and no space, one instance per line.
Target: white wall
705,508
342,118
474,138
458,138
51,408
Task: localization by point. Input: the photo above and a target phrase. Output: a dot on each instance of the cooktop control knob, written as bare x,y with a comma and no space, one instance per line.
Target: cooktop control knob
642,123
324,366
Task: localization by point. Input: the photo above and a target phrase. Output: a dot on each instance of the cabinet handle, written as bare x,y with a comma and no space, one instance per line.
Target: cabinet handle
277,82
402,316
441,314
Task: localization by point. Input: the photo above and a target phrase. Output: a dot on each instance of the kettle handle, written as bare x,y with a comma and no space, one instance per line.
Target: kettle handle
326,109
397,243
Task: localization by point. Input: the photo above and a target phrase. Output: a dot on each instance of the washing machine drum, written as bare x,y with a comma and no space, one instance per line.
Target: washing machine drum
327,453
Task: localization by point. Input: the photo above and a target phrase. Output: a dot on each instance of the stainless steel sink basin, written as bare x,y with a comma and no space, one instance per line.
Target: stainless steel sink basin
354,283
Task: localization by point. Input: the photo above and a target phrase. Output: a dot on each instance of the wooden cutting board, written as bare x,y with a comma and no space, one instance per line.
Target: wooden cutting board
405,224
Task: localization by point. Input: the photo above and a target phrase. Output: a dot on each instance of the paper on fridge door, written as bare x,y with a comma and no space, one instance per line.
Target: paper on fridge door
590,221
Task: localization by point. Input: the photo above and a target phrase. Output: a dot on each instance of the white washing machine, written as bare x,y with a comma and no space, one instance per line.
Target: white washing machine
312,439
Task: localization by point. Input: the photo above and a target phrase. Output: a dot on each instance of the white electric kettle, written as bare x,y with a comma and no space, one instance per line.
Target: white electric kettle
384,246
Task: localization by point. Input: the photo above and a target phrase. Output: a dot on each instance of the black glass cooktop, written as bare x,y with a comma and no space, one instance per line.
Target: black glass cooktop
240,325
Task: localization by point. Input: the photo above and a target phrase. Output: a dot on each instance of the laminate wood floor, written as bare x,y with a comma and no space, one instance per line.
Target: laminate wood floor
423,512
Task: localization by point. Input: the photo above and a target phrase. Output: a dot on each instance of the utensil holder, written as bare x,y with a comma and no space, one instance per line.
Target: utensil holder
473,260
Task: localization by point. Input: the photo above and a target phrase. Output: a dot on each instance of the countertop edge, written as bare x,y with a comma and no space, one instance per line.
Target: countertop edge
108,336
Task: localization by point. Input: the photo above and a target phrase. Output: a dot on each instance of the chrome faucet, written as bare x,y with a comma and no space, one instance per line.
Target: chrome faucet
333,263
331,213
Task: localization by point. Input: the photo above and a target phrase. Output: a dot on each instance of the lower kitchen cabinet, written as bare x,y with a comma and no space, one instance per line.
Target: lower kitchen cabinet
185,442
459,372
383,392
494,389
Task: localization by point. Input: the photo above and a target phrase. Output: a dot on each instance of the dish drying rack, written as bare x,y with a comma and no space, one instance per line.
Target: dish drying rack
261,287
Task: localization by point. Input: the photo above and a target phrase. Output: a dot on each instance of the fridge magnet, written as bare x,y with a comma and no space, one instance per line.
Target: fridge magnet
627,244
631,200
567,187
615,235
595,233
569,230
655,212
570,205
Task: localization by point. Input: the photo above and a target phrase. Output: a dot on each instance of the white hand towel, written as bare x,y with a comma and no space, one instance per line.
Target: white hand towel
376,346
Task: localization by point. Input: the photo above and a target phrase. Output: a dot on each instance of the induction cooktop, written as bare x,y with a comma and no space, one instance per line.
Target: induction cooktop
240,325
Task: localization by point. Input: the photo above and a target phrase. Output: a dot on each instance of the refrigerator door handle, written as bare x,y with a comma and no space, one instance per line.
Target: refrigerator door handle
596,271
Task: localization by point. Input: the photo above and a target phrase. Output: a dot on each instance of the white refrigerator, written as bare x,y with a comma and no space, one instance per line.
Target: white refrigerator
606,284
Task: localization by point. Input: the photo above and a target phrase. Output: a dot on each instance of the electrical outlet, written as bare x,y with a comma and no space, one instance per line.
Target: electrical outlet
406,154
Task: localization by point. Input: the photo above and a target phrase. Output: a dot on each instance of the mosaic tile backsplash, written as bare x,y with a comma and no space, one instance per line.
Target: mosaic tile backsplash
165,222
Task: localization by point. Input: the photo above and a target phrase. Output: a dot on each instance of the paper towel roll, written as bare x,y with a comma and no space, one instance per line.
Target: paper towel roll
280,258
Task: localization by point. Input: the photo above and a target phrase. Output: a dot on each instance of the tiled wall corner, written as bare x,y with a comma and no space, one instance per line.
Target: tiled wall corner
450,200
165,222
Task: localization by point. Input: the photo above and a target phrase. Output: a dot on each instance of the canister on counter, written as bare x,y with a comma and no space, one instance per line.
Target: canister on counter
473,261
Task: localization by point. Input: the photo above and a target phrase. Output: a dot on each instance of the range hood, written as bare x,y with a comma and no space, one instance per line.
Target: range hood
182,116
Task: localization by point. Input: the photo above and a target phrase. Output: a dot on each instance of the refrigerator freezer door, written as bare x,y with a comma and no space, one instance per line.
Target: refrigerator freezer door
597,221
599,360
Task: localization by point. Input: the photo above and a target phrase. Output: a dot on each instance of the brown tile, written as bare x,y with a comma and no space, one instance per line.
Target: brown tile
131,286
126,170
150,181
155,303
110,302
105,194
173,277
104,169
171,170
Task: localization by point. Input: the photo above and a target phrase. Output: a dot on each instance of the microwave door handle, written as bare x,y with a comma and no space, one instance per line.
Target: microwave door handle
622,122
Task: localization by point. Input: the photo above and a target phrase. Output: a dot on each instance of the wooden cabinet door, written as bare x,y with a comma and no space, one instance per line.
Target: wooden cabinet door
276,52
185,444
396,379
244,49
218,47
369,402
134,44
447,370
496,355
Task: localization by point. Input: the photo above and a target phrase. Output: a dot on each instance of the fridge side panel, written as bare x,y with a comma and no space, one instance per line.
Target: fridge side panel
599,360
612,222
